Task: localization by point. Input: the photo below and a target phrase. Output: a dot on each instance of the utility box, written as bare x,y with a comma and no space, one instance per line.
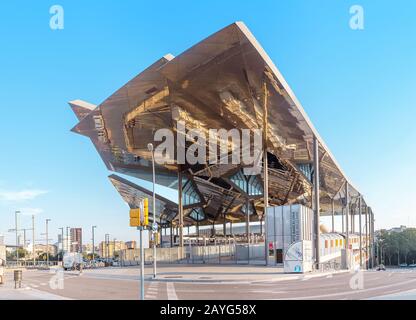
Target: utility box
299,257
285,226
347,259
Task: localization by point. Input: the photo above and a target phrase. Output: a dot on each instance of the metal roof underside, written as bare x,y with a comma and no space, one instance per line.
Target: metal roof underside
216,84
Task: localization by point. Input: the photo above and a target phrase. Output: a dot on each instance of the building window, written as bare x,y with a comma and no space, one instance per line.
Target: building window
189,194
252,185
197,214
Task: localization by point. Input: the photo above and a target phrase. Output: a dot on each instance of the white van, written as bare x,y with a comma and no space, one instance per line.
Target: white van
72,261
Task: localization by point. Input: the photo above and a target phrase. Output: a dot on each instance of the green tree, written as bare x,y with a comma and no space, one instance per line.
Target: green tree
398,246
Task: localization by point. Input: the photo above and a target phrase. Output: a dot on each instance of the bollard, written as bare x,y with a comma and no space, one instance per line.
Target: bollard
17,278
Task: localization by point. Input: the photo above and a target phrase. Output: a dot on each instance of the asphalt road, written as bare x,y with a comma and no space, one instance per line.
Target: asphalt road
102,284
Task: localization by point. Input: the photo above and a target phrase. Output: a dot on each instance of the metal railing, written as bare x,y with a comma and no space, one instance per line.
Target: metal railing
199,251
31,264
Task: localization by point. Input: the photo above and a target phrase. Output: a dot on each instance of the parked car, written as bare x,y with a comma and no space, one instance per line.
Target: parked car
381,267
413,265
403,265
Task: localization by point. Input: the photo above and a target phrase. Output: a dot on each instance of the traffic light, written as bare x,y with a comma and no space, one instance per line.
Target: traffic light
145,212
139,217
135,218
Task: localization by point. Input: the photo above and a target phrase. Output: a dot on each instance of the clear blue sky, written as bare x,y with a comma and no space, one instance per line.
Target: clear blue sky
358,87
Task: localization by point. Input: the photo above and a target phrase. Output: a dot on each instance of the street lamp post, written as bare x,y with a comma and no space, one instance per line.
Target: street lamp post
93,244
17,237
107,245
150,147
62,248
33,240
47,242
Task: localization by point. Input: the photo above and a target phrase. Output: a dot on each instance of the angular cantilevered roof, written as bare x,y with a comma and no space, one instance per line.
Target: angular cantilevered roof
216,84
133,194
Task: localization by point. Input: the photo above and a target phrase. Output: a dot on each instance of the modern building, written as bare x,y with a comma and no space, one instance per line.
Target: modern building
109,249
64,243
397,229
76,239
2,248
131,244
226,83
42,248
87,248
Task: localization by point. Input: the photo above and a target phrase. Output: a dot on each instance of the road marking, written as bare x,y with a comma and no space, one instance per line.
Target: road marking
188,290
351,291
391,295
266,291
170,288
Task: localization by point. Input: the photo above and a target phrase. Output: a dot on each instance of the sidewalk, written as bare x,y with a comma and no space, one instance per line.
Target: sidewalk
207,273
8,292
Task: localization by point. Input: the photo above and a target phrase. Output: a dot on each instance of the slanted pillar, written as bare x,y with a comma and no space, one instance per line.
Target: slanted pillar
333,215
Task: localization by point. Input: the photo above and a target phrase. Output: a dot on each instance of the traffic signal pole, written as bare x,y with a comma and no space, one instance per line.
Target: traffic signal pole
139,218
141,264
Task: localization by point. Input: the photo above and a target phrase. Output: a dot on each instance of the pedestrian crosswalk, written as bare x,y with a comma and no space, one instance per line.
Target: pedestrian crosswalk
152,291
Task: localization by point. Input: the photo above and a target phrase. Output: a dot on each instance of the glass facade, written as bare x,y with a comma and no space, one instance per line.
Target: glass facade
189,194
252,185
197,214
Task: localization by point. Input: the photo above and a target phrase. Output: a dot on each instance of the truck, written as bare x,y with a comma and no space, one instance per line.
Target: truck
72,261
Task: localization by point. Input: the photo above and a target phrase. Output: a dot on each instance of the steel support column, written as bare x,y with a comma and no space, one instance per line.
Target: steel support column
265,170
370,243
360,227
248,226
347,209
372,238
333,215
367,243
180,207
316,198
